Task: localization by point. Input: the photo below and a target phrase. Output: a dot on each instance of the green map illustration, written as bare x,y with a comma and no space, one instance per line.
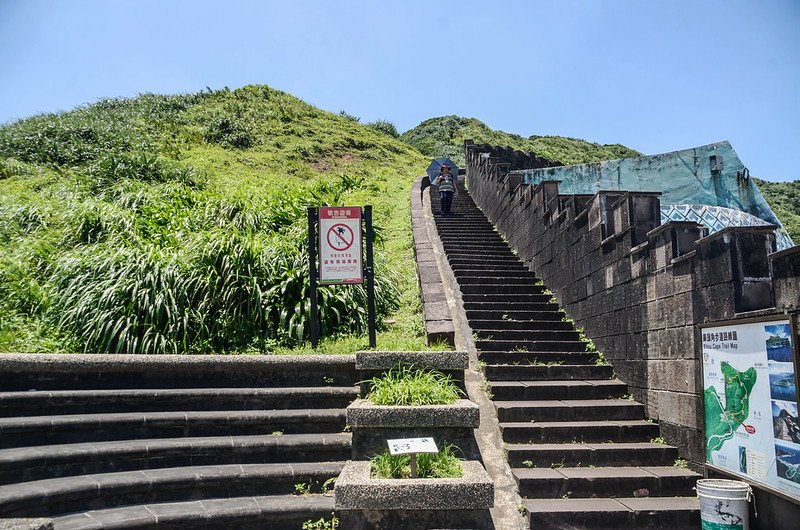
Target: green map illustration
722,422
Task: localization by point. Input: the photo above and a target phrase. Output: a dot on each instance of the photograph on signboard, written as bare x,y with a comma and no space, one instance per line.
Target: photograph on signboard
781,381
788,462
779,343
784,416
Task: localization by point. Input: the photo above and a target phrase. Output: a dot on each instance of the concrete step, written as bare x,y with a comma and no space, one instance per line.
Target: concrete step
490,255
504,289
499,274
523,278
579,432
503,333
470,234
501,286
495,258
547,372
483,267
242,513
508,323
591,454
539,357
76,428
679,513
515,307
569,410
37,403
61,496
208,371
552,390
24,464
586,482
506,298
471,244
500,312
530,345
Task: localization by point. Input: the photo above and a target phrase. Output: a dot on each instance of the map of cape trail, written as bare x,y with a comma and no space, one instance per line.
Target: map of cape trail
722,421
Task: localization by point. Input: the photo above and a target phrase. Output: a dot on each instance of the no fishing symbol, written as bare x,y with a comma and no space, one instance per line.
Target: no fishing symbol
340,237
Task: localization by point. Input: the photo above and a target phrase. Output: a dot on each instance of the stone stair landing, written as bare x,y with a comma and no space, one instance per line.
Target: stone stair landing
581,450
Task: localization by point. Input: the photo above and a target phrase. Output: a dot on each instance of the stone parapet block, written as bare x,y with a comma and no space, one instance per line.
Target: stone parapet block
26,524
357,490
435,312
462,413
429,360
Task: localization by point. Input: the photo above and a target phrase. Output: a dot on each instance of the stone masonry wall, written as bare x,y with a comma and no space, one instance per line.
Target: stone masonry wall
638,288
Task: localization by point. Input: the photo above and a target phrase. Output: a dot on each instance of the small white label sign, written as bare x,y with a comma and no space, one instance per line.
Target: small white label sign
403,446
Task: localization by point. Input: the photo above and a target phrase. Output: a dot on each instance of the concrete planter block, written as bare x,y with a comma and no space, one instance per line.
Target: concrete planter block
26,524
357,490
363,414
452,424
439,360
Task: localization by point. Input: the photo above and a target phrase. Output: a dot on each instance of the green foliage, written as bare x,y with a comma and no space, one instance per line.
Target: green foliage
386,127
444,136
343,113
322,523
784,199
444,464
177,224
404,385
229,131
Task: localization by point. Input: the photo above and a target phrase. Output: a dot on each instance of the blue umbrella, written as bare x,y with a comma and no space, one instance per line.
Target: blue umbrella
437,163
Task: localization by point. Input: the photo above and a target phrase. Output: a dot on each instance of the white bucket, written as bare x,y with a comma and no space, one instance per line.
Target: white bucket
724,504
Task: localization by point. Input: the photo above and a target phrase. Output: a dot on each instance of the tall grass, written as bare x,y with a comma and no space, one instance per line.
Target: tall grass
404,385
177,224
444,464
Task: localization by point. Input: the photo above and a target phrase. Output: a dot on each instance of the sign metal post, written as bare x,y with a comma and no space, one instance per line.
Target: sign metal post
313,218
370,273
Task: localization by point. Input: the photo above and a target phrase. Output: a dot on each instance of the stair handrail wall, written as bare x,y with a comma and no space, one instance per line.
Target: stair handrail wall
638,288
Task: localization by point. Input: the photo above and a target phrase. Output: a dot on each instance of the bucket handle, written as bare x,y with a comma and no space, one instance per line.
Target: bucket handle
750,497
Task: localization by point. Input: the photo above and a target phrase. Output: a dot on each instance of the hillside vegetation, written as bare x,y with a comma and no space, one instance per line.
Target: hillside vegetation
177,224
445,136
784,199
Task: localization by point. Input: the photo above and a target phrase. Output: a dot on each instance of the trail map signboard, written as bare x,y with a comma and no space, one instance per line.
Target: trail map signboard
750,399
340,258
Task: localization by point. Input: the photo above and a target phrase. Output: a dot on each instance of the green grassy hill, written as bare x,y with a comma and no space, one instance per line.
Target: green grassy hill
784,199
163,224
445,136
178,224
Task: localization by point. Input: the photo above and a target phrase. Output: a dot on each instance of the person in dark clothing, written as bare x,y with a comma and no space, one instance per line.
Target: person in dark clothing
447,188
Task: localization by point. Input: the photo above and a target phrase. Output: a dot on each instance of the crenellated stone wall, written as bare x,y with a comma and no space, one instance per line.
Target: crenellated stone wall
638,288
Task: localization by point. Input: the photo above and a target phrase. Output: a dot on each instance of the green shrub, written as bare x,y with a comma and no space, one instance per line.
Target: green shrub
404,385
230,132
385,127
444,464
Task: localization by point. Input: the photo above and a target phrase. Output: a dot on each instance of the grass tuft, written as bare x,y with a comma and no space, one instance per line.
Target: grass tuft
403,386
444,464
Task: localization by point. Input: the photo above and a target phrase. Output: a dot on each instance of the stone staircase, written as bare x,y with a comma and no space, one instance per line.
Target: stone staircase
582,451
115,442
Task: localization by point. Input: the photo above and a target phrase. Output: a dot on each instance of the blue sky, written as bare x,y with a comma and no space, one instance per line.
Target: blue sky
654,75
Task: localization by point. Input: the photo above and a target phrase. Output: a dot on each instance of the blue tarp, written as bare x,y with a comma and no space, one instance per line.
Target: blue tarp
710,175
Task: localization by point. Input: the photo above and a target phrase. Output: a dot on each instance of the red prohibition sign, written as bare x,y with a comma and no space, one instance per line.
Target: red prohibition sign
340,237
